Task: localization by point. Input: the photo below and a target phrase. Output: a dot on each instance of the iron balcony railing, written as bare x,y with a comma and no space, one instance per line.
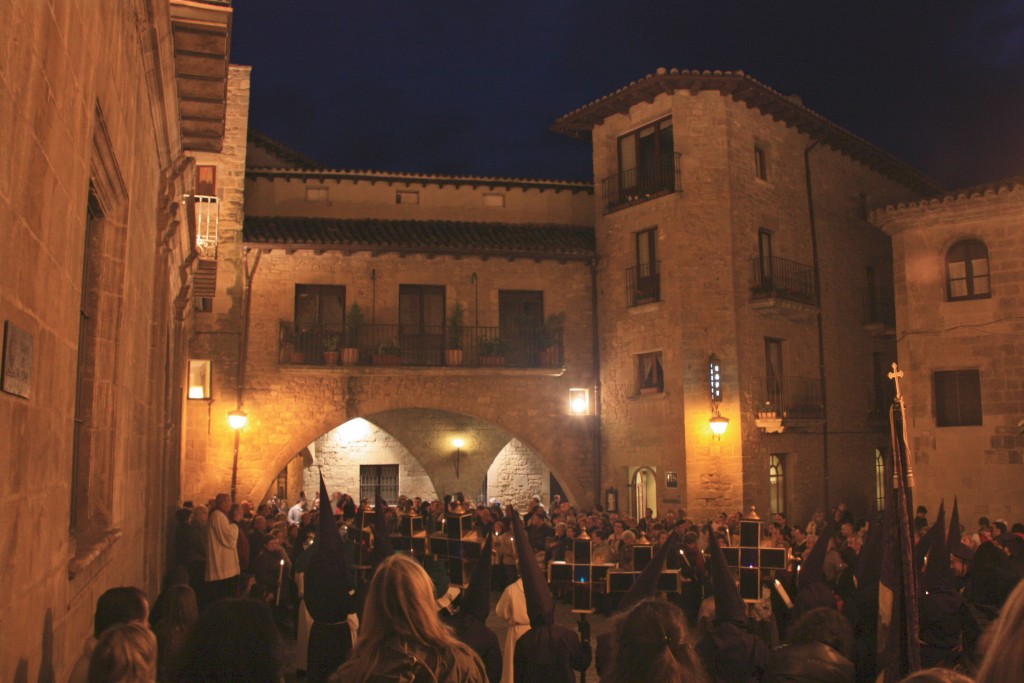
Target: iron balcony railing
782,278
649,179
643,283
793,397
879,307
389,344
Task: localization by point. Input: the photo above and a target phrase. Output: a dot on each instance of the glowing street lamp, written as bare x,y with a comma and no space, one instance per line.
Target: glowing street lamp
458,442
579,402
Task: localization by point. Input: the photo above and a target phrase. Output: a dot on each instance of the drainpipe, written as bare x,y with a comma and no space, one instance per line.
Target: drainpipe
597,382
821,327
243,351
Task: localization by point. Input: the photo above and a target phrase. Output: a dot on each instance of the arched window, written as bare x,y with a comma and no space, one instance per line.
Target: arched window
967,275
879,481
776,484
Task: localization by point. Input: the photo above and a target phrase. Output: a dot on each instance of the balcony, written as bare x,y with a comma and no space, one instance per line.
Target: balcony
643,284
792,398
782,287
391,345
647,181
879,313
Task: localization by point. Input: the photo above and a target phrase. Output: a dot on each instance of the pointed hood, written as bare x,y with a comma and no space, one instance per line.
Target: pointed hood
381,536
329,586
729,607
953,539
647,581
539,603
812,568
476,599
937,573
869,563
925,544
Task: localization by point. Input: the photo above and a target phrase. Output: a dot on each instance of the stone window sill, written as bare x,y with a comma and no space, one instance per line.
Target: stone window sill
88,547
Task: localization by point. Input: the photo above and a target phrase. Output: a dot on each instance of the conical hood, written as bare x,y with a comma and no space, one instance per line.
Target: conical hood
539,603
476,599
937,573
953,539
925,544
381,536
869,562
729,607
812,568
647,582
329,577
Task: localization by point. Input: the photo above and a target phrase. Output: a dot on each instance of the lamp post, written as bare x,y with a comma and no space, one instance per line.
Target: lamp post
458,443
237,419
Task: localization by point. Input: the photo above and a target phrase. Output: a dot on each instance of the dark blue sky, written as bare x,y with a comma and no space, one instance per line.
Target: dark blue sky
472,86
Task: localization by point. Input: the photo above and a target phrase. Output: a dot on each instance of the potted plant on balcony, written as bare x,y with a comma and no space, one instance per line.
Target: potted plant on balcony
354,322
550,336
330,342
453,355
291,344
388,354
492,352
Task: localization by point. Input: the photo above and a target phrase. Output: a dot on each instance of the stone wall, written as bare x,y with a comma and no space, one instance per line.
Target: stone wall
982,465
516,475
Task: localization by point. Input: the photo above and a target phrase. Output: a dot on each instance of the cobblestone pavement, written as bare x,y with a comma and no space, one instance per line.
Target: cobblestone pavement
563,615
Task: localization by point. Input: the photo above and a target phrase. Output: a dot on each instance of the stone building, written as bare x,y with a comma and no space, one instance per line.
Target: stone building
100,104
728,221
959,302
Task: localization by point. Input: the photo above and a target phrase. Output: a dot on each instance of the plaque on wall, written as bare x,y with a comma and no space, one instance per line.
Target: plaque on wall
17,365
671,480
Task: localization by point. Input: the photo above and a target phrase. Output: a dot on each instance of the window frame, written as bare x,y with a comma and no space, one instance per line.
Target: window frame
776,483
966,385
650,380
961,253
760,163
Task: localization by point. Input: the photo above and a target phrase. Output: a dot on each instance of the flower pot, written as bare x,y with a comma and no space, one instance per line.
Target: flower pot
331,357
296,357
350,356
453,357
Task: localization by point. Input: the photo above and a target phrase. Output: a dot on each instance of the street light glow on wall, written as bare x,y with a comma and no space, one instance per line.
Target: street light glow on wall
579,401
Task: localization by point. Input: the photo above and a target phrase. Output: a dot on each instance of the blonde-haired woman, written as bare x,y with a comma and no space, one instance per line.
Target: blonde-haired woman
125,653
1004,656
401,636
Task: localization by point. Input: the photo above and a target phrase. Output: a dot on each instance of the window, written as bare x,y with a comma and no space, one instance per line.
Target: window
645,280
879,481
764,252
384,476
319,307
760,163
206,181
776,485
647,161
773,371
520,321
957,398
651,376
421,323
317,194
967,274
494,199
198,379
407,197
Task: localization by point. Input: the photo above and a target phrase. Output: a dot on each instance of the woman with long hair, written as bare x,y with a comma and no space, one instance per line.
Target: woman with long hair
1004,656
401,634
654,644
125,653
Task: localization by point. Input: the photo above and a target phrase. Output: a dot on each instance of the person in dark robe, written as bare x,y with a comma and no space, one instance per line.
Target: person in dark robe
547,653
812,589
643,587
330,598
470,622
862,608
729,652
817,650
940,605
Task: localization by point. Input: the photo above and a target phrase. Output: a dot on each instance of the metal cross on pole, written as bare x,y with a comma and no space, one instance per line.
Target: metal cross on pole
895,376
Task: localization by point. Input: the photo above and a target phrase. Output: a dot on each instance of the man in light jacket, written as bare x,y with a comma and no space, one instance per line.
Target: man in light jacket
222,568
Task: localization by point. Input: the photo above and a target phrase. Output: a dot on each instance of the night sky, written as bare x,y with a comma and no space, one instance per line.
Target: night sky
471,87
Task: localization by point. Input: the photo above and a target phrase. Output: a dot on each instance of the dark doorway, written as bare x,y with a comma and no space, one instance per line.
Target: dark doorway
521,318
421,323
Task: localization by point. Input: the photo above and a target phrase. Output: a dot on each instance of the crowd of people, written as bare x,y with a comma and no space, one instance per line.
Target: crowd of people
243,574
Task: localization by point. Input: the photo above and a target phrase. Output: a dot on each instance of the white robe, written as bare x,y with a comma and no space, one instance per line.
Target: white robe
221,548
512,608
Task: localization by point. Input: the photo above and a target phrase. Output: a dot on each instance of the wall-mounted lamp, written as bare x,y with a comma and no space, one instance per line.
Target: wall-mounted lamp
579,401
198,379
458,443
718,423
238,419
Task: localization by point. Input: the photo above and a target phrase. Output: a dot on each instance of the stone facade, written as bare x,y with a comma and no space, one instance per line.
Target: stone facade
516,475
979,463
91,192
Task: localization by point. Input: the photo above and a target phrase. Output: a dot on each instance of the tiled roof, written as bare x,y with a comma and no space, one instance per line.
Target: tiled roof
322,174
753,93
282,151
508,240
964,193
